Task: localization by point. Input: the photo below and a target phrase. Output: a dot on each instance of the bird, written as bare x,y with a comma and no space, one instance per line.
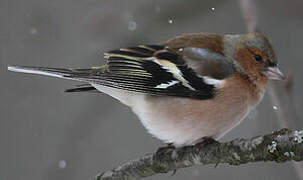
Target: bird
188,88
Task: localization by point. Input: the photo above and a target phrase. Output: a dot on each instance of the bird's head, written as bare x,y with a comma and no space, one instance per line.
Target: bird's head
255,54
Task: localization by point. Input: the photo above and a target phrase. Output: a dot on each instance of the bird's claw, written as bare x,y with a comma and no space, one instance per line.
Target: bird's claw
163,149
205,141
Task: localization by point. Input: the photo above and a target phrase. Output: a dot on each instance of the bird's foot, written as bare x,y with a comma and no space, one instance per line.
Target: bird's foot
164,149
205,141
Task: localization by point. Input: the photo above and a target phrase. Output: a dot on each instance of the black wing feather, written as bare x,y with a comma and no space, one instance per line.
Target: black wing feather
135,69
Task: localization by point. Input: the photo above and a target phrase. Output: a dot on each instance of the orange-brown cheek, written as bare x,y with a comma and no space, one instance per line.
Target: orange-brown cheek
245,58
248,62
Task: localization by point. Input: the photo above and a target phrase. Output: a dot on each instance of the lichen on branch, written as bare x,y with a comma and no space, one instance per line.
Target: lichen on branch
279,146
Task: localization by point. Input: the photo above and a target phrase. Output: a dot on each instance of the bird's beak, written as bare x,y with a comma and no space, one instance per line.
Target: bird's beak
274,73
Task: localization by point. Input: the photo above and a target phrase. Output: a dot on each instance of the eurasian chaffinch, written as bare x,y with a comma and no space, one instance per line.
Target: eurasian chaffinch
190,87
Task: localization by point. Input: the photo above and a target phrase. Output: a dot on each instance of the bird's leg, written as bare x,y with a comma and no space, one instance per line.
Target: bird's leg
205,141
165,148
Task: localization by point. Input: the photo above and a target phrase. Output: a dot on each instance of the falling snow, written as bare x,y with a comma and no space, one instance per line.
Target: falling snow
213,9
170,21
33,31
275,107
62,164
132,25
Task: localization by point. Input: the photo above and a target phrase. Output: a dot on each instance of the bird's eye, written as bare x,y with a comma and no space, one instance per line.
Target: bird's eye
258,58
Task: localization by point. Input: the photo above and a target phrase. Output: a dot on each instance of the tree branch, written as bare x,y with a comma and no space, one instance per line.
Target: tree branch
280,146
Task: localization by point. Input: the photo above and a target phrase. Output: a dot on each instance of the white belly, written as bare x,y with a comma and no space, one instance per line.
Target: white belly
183,121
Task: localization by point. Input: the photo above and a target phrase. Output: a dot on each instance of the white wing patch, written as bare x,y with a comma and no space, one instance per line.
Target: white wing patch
172,68
212,81
166,85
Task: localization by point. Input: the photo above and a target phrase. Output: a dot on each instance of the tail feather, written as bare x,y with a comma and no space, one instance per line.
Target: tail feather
65,73
54,72
87,88
73,74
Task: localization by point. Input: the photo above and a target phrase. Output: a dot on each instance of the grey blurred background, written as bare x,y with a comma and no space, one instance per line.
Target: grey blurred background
46,134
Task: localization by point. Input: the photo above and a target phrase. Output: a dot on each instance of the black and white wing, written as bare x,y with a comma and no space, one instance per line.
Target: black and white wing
151,69
158,70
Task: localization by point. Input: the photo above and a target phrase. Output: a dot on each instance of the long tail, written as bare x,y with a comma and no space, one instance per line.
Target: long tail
54,72
63,73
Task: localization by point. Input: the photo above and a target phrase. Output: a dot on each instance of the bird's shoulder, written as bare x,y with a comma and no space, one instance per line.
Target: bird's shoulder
211,42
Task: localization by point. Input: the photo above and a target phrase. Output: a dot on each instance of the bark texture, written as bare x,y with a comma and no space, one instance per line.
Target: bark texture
279,146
